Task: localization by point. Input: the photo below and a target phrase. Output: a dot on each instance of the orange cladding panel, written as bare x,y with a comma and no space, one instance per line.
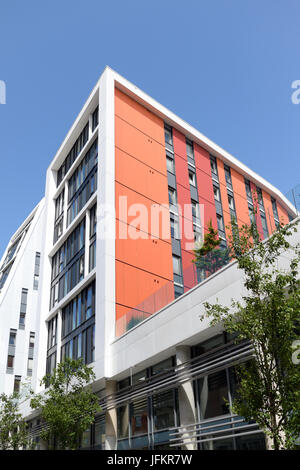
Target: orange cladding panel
126,202
139,250
132,141
144,269
139,289
141,178
240,198
138,116
282,214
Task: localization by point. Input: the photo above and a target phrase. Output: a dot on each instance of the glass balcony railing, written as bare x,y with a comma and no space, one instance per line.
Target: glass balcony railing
293,195
192,275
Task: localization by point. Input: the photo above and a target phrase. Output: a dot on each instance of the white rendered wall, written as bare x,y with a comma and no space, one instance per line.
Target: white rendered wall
21,276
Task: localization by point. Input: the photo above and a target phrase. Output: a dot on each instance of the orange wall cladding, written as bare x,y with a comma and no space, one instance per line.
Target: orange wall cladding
144,269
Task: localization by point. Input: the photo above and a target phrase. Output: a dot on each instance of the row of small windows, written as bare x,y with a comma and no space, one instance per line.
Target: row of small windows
231,202
83,183
67,281
81,346
218,202
11,255
83,170
73,154
77,147
68,261
261,207
87,189
228,179
174,223
77,329
71,247
79,310
12,348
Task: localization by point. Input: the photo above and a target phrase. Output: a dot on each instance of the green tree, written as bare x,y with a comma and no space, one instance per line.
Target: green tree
209,258
13,429
68,406
268,316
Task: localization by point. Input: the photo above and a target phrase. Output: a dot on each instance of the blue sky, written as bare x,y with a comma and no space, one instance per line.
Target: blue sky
225,66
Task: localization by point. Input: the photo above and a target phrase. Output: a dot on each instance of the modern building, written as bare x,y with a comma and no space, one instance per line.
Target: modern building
19,289
129,193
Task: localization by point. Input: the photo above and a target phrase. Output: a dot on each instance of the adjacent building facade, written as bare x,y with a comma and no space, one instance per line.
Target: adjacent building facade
129,195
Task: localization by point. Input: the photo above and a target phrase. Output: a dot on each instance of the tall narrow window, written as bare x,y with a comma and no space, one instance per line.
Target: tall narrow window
220,223
10,362
264,225
192,178
17,383
170,164
52,330
213,166
23,308
217,193
195,211
275,212
95,118
190,151
228,176
248,190
36,270
168,137
177,265
11,350
172,197
12,338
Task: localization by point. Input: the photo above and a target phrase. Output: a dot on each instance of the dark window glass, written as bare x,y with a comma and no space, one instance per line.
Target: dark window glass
139,417
17,383
168,136
227,175
68,264
12,338
178,291
95,118
52,332
190,151
162,366
10,362
123,421
93,220
248,190
213,165
164,410
264,225
213,393
73,154
80,309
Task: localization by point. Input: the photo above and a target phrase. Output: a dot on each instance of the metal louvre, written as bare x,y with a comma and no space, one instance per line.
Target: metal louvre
225,356
229,426
178,375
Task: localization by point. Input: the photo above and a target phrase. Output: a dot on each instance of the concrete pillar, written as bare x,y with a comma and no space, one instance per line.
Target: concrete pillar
187,409
111,419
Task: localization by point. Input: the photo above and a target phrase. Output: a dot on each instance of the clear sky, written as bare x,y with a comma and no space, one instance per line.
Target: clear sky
225,66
